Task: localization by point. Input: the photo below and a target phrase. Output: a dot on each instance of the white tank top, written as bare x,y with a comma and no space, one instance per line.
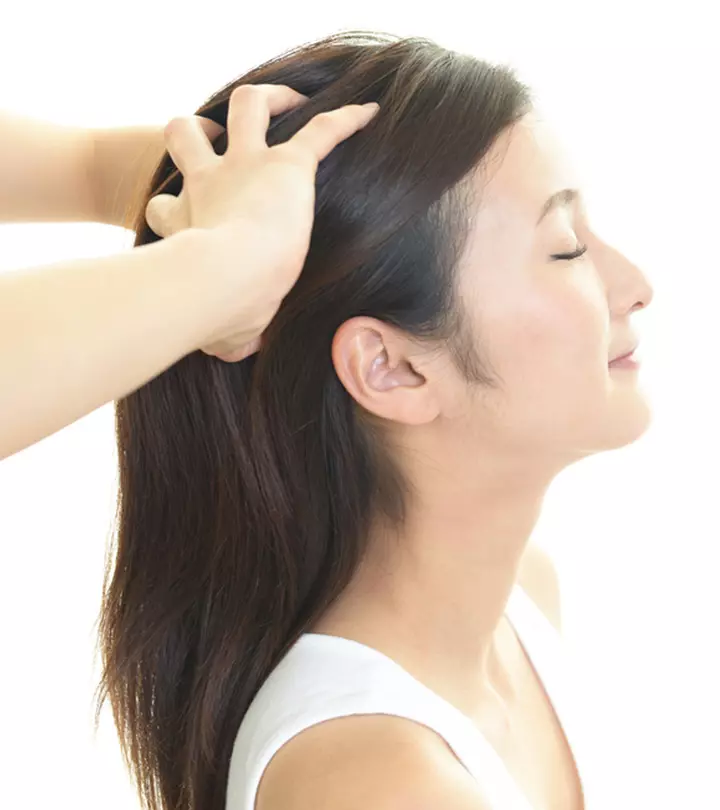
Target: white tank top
322,677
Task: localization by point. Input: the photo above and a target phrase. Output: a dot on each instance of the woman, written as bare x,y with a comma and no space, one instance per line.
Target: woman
322,591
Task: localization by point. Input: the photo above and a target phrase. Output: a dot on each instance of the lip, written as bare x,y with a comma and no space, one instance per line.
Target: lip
633,348
626,361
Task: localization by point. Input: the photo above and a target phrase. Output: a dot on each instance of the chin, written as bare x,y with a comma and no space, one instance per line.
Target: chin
630,422
621,423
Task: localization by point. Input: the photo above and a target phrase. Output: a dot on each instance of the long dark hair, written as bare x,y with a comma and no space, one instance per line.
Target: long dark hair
247,489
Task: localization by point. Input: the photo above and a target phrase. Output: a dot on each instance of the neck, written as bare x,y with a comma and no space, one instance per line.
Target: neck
433,596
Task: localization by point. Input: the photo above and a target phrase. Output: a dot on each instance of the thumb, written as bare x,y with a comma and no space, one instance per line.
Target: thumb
163,214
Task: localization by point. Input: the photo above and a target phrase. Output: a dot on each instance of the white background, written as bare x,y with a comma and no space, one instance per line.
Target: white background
632,90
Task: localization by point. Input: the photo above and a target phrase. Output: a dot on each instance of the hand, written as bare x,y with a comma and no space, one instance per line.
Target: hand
256,204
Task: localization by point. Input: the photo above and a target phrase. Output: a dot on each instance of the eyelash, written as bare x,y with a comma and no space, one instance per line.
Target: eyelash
570,256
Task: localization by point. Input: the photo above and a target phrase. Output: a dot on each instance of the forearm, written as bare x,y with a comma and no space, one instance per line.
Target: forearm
45,171
55,173
76,335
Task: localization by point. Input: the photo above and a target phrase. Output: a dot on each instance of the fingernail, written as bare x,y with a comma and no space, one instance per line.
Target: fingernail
371,105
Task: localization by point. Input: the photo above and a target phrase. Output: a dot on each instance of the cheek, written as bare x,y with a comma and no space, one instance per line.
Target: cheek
555,331
554,350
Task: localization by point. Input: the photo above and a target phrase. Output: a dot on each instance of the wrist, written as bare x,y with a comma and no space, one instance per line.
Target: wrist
187,267
123,160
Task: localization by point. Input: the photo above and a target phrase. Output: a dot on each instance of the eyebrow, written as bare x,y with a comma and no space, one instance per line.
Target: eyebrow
566,196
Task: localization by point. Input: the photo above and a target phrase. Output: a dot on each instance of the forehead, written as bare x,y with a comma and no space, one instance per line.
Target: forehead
528,163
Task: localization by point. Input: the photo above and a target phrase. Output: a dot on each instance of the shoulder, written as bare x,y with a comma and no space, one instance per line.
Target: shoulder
538,578
381,761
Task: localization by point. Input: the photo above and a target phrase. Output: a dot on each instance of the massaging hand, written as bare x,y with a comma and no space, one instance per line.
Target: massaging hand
256,204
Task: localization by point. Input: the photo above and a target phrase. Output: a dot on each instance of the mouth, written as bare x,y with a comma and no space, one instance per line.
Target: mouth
627,361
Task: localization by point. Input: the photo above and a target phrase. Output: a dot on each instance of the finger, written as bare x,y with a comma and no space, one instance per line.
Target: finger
250,108
188,145
211,128
243,351
233,355
326,130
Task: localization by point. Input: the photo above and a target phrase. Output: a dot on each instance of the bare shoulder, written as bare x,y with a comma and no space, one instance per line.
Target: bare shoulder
361,761
538,578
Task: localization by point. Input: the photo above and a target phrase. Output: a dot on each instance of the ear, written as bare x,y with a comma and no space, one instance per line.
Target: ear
374,363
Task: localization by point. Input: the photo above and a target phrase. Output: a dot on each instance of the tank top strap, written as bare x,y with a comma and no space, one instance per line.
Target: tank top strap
555,669
394,691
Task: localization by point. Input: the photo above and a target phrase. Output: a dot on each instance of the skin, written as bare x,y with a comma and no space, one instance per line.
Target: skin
55,173
481,460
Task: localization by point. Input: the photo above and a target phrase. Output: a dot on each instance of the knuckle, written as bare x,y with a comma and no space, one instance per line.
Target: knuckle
174,124
325,120
246,91
294,152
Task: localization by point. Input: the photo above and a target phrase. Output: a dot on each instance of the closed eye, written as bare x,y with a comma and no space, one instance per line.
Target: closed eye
570,256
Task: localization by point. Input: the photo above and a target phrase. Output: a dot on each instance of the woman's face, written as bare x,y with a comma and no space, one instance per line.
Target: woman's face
547,328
